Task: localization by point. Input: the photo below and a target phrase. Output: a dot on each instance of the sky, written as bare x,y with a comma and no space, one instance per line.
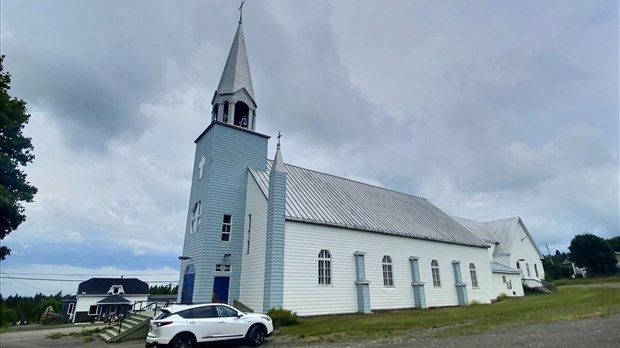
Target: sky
489,109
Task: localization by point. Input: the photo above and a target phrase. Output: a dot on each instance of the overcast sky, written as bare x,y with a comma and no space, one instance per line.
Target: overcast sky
489,109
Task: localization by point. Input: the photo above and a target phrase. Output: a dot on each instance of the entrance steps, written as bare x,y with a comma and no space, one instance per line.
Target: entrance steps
133,327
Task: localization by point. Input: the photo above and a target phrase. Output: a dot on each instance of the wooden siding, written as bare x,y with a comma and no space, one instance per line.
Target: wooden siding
501,288
522,247
228,152
253,271
303,294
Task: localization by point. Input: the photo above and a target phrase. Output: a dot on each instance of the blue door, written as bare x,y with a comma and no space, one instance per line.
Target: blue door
220,289
187,294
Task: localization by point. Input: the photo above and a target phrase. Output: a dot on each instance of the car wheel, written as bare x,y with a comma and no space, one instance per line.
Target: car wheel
256,336
183,340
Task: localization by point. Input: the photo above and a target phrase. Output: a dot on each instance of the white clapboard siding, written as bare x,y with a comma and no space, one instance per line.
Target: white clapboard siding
303,243
253,271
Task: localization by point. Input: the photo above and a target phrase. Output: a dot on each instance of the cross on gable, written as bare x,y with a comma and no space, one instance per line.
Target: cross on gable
201,165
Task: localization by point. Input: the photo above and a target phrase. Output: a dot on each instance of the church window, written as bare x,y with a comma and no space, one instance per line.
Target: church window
249,230
435,272
472,274
527,267
388,276
196,219
325,267
226,224
536,270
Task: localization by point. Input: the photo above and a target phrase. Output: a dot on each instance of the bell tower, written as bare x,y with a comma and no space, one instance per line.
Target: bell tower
211,261
233,102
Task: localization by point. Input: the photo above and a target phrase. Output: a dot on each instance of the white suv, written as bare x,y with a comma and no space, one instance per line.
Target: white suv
183,326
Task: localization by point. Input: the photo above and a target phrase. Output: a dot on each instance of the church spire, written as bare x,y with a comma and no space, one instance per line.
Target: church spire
278,163
234,102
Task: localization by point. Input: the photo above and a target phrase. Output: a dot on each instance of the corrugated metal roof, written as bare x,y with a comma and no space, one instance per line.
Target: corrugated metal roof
479,229
502,232
321,198
499,268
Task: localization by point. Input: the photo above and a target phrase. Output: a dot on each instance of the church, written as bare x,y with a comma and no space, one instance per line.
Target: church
264,234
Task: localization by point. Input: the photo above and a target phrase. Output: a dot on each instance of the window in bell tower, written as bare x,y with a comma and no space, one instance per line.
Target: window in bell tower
242,112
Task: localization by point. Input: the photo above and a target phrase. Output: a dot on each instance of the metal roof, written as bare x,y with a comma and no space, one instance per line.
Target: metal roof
502,232
325,199
236,74
477,228
499,268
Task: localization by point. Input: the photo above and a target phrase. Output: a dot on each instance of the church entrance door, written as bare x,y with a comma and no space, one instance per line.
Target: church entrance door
187,293
220,289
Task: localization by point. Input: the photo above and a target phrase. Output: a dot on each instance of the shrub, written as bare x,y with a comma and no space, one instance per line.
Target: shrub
500,298
283,317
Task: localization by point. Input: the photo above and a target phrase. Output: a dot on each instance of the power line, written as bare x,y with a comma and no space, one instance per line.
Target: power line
91,274
76,280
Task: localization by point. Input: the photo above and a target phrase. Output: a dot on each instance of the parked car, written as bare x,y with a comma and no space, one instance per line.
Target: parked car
183,326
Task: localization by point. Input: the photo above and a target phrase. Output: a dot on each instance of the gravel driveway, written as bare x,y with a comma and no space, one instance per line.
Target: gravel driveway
596,332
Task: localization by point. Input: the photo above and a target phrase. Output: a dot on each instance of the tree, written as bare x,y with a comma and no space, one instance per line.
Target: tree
614,243
15,153
588,250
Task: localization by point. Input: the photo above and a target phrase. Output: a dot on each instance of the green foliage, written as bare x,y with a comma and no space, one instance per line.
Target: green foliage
588,250
15,153
164,289
501,298
614,243
283,317
557,270
17,307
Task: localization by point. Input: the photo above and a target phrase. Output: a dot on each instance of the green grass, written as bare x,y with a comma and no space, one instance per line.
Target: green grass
565,304
591,280
86,333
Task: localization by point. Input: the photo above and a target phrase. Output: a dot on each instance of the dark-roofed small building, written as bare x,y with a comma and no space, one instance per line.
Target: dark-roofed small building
100,298
273,235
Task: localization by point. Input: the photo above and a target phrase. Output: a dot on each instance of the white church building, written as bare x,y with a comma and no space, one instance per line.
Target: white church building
272,235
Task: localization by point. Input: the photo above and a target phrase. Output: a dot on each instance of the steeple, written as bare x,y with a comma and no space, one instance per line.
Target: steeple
278,163
233,101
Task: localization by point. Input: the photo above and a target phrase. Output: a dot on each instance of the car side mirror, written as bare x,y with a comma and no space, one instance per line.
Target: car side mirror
239,315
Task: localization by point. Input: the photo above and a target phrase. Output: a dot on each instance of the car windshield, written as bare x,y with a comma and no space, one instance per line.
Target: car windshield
164,314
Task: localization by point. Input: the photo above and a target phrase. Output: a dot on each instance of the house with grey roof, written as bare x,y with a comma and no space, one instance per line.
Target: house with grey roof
267,234
98,299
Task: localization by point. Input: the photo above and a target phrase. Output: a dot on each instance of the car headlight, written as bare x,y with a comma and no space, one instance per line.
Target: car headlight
266,317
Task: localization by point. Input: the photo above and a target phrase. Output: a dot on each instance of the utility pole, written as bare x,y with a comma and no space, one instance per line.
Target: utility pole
549,252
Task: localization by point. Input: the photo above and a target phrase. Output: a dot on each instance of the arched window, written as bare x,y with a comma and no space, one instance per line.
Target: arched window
536,270
242,112
325,267
527,267
225,116
216,108
472,274
435,272
388,277
196,212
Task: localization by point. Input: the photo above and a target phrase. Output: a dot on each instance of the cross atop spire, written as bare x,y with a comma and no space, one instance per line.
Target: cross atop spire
241,11
279,136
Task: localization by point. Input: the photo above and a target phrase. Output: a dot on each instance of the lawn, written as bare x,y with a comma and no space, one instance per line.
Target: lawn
567,303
